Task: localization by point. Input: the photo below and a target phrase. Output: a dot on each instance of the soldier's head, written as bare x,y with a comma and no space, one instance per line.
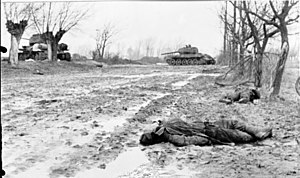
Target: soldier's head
152,138
255,94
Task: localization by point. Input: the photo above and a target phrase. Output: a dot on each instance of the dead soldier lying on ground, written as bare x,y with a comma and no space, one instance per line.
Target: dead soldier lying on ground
222,132
241,95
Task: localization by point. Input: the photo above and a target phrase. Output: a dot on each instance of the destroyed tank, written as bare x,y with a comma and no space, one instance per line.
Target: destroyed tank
188,55
37,50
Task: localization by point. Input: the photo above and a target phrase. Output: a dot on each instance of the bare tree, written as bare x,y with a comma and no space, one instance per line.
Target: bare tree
278,18
234,40
103,38
120,49
149,46
159,49
17,20
178,43
243,36
130,53
237,35
282,22
260,35
225,30
137,50
54,21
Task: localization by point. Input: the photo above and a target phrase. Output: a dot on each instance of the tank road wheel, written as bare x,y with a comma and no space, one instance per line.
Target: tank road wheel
168,61
194,62
190,62
173,62
37,56
184,62
178,62
199,62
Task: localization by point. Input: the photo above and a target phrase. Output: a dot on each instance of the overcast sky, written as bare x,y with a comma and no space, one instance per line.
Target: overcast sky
167,23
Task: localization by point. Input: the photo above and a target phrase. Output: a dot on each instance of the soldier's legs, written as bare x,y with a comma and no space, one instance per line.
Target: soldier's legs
235,136
181,140
258,133
229,98
245,97
225,131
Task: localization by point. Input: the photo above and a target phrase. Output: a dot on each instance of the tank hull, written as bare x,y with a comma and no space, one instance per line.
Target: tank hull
37,50
190,59
42,55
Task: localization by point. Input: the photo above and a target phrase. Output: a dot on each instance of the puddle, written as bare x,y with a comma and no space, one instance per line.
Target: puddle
125,163
109,125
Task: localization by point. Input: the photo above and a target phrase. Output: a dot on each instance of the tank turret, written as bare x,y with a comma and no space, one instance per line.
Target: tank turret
188,55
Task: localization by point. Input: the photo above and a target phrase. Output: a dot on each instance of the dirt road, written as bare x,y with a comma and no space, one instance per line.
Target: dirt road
88,124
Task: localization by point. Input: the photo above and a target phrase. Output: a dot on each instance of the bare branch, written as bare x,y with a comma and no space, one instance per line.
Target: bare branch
35,19
292,20
273,9
49,16
5,11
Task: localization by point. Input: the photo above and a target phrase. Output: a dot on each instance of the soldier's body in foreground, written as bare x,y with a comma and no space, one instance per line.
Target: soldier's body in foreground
198,133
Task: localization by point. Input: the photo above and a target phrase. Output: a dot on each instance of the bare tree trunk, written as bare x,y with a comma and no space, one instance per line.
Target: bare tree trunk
98,54
49,50
102,51
241,58
242,40
234,40
225,32
250,68
54,43
229,56
13,52
275,87
258,70
54,50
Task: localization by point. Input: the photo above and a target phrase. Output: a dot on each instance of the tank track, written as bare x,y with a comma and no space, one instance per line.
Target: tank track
190,61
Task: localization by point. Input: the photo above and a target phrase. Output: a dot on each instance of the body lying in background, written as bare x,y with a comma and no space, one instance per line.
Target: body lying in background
222,132
241,95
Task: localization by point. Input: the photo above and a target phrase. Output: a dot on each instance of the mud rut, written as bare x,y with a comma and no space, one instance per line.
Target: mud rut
89,124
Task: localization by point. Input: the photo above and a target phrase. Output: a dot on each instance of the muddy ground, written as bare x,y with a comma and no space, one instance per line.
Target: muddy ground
87,123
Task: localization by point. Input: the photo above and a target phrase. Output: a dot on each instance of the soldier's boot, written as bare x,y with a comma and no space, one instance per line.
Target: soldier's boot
264,133
243,100
258,133
225,100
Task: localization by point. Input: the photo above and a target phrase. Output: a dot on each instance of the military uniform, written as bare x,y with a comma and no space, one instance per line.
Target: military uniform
201,133
241,95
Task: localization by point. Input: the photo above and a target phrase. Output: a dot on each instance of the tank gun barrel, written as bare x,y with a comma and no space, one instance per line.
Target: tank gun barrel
170,53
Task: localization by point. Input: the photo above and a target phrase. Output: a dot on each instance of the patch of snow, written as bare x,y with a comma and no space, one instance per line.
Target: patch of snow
29,60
